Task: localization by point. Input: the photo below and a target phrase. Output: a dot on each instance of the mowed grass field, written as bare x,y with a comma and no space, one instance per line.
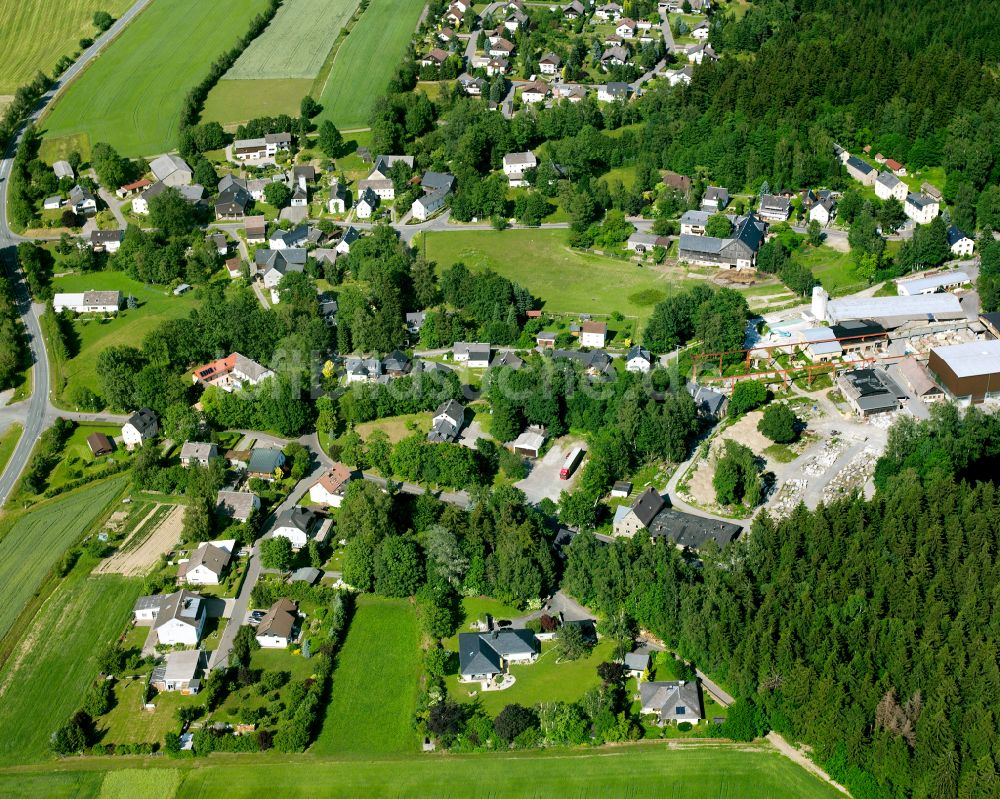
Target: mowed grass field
567,281
374,691
33,543
34,34
701,771
232,102
48,673
131,95
367,60
156,304
297,41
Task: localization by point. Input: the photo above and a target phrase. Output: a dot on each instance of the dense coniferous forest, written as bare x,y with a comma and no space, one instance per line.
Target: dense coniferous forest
868,629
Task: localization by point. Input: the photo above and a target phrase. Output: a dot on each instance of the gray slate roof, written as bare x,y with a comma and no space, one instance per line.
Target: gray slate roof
481,653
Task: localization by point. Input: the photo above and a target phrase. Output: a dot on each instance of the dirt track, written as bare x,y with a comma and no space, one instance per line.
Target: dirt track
139,560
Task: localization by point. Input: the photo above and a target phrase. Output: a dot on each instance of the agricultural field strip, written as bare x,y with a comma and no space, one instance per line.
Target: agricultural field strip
297,41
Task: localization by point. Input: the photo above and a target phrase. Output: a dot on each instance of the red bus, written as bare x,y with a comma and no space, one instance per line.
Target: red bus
571,462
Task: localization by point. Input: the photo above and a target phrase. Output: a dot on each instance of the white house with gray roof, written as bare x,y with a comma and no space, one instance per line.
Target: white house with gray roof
888,185
921,208
671,701
516,164
485,656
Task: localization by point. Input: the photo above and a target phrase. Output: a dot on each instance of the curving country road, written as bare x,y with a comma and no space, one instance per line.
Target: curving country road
37,413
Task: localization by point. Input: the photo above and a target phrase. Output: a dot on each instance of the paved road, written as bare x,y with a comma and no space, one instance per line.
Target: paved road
37,413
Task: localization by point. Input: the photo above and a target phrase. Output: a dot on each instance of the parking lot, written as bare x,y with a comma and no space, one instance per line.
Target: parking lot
543,479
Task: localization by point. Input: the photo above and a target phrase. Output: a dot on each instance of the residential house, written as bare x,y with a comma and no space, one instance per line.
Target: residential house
447,422
549,64
272,265
515,20
626,28
396,363
206,564
141,426
508,360
288,239
82,201
414,321
738,251
681,75
367,204
639,515
234,198
455,15
710,404
960,243
231,373
236,505
297,524
501,48
255,229
921,208
700,31
888,185
277,629
446,35
773,208
823,211
429,204
574,10
671,701
180,619
196,453
535,92
638,359
614,57
62,170
516,164
593,334
698,53
614,92
347,238
636,664
264,148
180,671
677,182
332,486
107,302
484,656
434,58
265,463
497,66
106,240
860,171
471,85
219,242
475,354
715,198
363,370
171,170
611,12
337,204
596,363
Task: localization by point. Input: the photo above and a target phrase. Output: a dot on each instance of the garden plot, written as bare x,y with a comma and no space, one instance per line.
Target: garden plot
154,536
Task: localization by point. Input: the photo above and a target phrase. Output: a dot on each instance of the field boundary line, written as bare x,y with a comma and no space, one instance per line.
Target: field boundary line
323,76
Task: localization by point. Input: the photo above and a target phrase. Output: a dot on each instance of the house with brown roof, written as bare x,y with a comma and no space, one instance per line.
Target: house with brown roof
277,629
99,444
593,334
206,564
331,486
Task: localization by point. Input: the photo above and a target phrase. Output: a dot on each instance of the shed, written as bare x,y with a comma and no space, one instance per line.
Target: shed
99,444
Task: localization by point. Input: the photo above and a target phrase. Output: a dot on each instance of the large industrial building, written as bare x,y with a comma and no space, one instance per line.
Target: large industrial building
969,372
890,312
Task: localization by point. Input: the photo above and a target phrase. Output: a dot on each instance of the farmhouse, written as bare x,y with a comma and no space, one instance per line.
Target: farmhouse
88,302
675,701
277,629
206,564
447,422
237,505
231,373
263,148
484,656
171,170
141,426
331,486
196,453
739,251
297,524
970,373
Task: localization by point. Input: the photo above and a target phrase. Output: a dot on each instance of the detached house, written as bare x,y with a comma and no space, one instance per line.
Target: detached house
332,486
921,208
630,520
823,210
475,354
535,92
673,701
82,201
860,171
195,453
141,426
337,204
714,199
626,28
179,619
206,564
265,462
773,208
614,57
959,243
611,12
264,148
297,524
367,203
447,422
516,164
549,64
638,359
230,374
613,92
108,241
593,334
277,629
485,656
233,200
888,185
